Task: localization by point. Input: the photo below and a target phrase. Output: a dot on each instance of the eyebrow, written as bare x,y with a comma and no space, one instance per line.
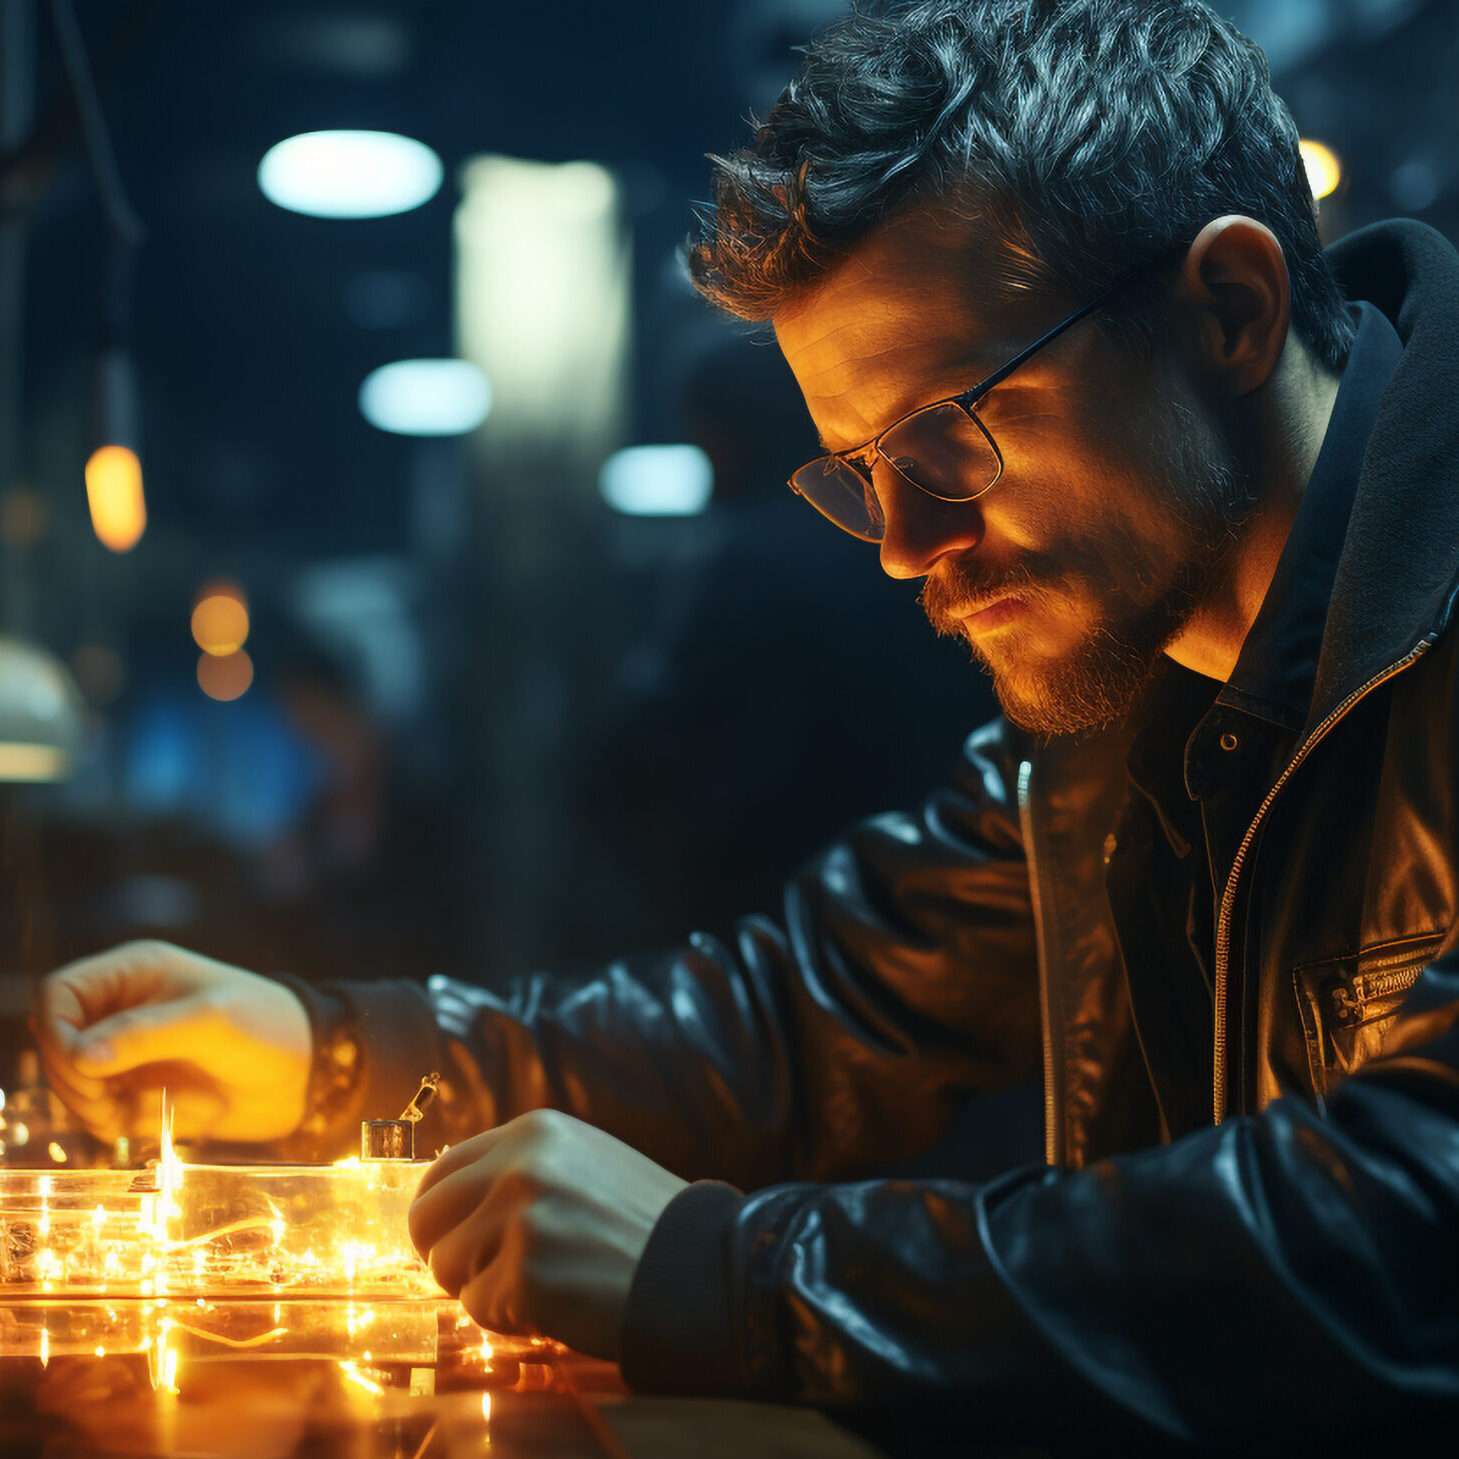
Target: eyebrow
1022,382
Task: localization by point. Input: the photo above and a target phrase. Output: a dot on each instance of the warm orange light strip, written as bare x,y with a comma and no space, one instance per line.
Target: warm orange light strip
114,494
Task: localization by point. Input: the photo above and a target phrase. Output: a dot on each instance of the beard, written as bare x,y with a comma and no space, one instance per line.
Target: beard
1204,501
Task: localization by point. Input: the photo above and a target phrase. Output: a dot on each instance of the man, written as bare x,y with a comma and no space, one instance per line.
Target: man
1049,279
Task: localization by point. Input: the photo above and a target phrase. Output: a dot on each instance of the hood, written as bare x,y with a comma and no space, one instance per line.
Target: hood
1400,559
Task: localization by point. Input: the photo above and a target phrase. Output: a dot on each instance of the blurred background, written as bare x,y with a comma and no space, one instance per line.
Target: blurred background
396,568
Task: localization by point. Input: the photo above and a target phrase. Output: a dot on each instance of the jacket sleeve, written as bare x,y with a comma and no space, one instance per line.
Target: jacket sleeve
1273,1279
900,977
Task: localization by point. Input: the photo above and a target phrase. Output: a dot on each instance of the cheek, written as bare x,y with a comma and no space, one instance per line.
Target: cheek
1088,511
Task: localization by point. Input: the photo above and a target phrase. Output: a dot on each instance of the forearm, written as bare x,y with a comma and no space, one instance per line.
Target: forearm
837,1039
1281,1271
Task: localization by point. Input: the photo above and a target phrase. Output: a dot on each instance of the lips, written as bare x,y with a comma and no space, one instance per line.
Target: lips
979,608
993,615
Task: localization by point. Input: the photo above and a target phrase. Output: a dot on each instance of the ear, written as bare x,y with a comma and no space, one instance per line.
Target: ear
1235,288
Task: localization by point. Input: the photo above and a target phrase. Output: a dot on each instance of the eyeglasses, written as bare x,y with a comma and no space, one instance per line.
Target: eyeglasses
943,449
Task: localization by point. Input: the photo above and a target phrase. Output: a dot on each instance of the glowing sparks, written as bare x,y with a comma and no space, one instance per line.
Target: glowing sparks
163,1360
328,1230
352,1374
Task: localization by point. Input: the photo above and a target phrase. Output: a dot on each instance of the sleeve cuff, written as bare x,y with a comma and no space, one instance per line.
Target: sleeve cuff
372,1042
679,1334
397,1035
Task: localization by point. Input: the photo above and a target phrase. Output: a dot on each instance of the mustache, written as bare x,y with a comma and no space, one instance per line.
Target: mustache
960,589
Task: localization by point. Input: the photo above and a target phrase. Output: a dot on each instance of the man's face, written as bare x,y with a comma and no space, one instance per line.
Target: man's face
1119,504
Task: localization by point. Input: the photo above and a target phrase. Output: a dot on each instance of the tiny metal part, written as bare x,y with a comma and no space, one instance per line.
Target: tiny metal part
395,1139
421,1100
387,1140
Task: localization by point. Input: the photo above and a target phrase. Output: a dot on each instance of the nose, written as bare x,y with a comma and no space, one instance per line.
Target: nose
920,528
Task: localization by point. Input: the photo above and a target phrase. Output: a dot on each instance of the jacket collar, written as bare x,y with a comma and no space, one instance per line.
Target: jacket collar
1400,558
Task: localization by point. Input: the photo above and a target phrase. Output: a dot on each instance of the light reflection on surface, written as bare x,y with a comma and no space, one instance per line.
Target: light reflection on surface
262,1379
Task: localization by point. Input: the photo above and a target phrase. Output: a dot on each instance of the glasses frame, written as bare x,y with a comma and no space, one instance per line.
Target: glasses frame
964,400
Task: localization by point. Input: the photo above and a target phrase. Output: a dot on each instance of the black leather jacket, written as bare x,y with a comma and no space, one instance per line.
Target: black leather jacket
1299,1260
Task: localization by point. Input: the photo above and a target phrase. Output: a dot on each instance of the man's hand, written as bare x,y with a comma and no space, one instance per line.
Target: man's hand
538,1226
231,1049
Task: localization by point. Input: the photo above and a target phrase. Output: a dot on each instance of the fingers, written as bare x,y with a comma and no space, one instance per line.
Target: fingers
93,1103
446,1204
90,1100
77,995
57,1061
493,1300
460,1155
149,1034
468,1248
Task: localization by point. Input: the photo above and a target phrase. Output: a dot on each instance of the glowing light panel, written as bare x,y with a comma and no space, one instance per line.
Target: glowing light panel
426,397
349,174
35,763
657,481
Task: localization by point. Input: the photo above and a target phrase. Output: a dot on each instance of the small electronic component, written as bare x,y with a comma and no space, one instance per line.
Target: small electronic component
395,1139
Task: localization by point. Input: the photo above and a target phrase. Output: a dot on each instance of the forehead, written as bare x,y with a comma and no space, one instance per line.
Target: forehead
915,310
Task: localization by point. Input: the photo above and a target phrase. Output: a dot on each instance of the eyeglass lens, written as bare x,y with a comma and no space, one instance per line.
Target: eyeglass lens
942,450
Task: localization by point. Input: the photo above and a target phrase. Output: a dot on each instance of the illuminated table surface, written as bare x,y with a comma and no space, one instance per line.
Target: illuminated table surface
222,1397
258,1311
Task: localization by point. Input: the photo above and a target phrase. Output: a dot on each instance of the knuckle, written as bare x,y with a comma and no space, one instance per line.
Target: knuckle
544,1124
146,950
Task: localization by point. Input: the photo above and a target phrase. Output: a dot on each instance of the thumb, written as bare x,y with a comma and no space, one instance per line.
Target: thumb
137,1036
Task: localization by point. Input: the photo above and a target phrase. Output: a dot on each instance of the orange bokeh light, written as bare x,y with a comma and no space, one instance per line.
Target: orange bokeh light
225,677
220,620
114,494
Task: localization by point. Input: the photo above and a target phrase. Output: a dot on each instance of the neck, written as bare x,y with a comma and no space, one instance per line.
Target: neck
1290,425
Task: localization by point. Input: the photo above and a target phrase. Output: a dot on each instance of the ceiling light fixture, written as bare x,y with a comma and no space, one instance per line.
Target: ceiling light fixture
350,174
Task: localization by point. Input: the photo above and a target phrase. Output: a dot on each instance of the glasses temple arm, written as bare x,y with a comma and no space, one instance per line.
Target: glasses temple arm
1004,371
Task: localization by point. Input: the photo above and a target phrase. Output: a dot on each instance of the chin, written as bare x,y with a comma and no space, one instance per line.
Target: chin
1087,689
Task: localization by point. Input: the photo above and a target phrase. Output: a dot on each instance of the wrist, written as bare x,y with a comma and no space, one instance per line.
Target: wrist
331,1068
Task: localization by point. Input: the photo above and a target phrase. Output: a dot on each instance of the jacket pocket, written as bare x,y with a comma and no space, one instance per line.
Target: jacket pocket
1348,1004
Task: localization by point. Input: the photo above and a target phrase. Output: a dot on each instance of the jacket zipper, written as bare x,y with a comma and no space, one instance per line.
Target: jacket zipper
1228,896
1025,822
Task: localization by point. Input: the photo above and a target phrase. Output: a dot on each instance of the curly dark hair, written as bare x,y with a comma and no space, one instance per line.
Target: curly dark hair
1095,135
